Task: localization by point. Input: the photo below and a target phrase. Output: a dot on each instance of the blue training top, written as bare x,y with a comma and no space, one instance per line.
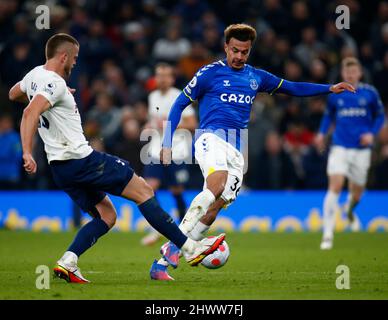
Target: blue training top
225,96
354,114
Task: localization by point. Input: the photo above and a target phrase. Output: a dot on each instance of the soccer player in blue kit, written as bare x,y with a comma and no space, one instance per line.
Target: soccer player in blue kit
225,91
358,118
83,173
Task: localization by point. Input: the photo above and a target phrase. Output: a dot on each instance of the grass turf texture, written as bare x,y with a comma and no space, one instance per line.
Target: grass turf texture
261,266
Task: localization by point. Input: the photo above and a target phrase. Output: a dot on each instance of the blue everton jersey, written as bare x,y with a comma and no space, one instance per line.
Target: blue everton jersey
225,96
354,114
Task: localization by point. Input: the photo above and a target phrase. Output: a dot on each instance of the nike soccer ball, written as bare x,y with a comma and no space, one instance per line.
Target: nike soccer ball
218,258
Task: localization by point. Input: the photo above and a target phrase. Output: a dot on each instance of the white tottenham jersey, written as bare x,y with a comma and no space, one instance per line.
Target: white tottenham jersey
159,106
60,126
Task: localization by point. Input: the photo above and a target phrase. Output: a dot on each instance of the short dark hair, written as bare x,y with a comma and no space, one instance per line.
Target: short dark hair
241,32
57,40
163,65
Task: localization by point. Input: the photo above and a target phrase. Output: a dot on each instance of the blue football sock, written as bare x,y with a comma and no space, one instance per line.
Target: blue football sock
162,222
88,235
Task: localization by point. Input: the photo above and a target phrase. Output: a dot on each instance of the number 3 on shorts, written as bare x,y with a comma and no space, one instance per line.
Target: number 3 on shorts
234,187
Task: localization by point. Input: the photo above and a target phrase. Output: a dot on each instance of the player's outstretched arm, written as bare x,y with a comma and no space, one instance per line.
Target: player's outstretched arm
16,94
181,102
307,89
28,127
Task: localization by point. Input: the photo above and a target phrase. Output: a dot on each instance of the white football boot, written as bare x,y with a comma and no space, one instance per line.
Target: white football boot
68,270
327,244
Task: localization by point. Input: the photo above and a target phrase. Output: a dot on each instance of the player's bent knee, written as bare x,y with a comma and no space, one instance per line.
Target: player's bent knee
218,189
147,190
335,187
107,212
108,215
110,220
138,190
153,183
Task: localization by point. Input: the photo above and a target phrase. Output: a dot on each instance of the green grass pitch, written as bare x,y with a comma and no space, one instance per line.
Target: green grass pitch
261,266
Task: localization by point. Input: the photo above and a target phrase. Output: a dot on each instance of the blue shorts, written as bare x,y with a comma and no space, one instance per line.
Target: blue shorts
170,176
86,180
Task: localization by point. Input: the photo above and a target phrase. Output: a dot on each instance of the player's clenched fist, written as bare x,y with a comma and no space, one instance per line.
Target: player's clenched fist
29,163
165,156
341,87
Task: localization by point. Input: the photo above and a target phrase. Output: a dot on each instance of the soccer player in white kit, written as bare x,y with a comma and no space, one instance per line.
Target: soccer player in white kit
358,118
83,173
176,175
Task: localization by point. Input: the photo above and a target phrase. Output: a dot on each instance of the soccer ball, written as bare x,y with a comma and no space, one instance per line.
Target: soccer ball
218,258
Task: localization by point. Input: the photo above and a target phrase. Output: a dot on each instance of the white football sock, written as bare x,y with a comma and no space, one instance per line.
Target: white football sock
330,205
69,257
199,231
197,210
189,246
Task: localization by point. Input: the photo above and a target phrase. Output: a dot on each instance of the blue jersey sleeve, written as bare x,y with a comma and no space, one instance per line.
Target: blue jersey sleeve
193,91
181,102
270,83
378,112
200,82
273,84
328,116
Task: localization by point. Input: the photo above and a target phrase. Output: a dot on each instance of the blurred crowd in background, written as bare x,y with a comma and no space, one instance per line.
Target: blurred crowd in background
121,41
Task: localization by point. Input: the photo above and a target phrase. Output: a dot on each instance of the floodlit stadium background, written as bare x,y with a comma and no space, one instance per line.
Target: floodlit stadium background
121,41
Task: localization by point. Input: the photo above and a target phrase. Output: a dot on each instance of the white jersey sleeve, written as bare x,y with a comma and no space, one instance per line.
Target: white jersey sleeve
53,90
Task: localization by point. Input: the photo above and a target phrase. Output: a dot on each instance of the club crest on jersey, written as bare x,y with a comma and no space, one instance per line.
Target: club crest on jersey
253,84
226,83
49,88
120,162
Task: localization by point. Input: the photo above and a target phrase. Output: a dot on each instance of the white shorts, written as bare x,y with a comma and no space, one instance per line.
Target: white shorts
214,154
352,163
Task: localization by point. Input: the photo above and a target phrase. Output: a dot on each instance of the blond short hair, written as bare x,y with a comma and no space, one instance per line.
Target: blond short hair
349,62
56,41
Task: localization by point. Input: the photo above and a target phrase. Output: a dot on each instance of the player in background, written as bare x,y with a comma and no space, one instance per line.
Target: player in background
358,118
156,174
83,173
225,91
